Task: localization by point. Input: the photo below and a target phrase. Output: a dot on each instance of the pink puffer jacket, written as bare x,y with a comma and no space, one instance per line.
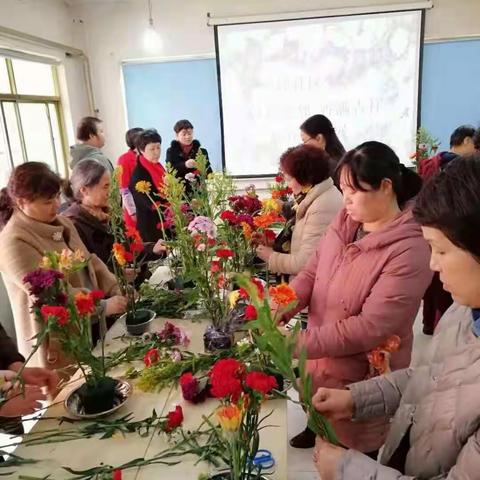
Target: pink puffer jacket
359,293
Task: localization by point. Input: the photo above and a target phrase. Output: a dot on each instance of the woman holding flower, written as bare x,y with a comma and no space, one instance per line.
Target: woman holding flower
306,170
30,227
364,283
435,427
89,187
146,183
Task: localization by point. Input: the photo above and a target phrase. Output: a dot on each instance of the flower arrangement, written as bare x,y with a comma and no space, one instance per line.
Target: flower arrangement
379,358
280,190
282,348
126,259
241,394
426,146
66,317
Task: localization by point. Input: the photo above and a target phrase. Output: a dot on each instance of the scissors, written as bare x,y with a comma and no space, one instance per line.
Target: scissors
263,459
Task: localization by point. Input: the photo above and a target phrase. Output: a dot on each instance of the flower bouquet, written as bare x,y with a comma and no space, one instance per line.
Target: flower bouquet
280,190
241,393
66,318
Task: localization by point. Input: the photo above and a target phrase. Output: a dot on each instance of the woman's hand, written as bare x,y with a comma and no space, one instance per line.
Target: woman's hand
334,403
115,305
159,248
191,163
20,402
326,457
131,274
264,252
41,377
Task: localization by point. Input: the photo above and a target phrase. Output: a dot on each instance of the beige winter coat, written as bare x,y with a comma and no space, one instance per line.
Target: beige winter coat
22,244
439,401
313,216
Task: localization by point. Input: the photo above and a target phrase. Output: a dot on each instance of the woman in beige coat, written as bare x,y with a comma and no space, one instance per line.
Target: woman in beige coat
307,171
435,428
31,227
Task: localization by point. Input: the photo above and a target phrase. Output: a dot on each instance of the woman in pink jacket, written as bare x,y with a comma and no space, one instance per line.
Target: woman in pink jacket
434,407
364,283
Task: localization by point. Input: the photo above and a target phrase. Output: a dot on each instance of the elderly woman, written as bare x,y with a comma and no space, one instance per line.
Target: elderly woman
306,170
30,227
89,187
435,431
364,283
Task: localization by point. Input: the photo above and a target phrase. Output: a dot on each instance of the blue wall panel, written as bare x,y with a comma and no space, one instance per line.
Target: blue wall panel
159,94
450,87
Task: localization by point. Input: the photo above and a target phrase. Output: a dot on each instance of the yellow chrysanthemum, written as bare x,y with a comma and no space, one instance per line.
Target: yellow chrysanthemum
143,186
233,298
230,417
271,205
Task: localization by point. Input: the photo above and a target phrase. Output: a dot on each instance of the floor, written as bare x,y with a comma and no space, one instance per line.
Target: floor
300,464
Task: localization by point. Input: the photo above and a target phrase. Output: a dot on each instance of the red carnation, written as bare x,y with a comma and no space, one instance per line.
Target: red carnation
270,237
85,303
226,378
191,389
151,357
136,247
59,313
215,266
250,313
128,256
260,289
174,419
279,178
97,295
260,382
229,216
117,474
224,253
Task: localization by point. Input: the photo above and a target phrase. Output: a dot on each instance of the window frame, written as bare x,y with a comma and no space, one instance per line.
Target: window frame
16,99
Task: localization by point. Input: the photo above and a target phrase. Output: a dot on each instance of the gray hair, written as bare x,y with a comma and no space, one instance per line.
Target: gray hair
86,173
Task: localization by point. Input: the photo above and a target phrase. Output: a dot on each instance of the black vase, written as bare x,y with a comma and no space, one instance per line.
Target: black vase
214,339
98,397
138,324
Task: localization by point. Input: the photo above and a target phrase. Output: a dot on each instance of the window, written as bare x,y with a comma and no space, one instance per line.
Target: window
30,116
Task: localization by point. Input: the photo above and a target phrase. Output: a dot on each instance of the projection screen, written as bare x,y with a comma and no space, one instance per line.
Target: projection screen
361,71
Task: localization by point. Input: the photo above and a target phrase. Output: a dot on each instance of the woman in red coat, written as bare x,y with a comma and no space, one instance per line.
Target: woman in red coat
127,162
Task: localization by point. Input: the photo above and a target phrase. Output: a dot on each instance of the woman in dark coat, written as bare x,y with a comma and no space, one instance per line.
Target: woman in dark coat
89,189
183,150
149,170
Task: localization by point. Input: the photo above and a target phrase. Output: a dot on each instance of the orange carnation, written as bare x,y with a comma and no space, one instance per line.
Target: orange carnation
282,295
267,219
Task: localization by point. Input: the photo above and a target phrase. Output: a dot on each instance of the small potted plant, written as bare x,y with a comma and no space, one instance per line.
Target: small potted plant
126,265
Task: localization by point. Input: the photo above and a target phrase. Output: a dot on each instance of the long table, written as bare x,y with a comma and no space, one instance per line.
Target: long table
87,453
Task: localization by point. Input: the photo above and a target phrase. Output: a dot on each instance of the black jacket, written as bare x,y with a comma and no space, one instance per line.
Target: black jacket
8,351
176,159
147,216
97,237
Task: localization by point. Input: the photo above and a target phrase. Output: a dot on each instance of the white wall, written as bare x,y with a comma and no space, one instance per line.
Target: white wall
113,31
50,20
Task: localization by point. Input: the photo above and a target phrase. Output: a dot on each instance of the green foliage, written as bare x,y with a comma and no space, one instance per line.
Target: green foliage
281,349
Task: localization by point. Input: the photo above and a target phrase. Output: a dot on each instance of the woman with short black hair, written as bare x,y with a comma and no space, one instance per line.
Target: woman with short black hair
364,282
183,150
148,169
